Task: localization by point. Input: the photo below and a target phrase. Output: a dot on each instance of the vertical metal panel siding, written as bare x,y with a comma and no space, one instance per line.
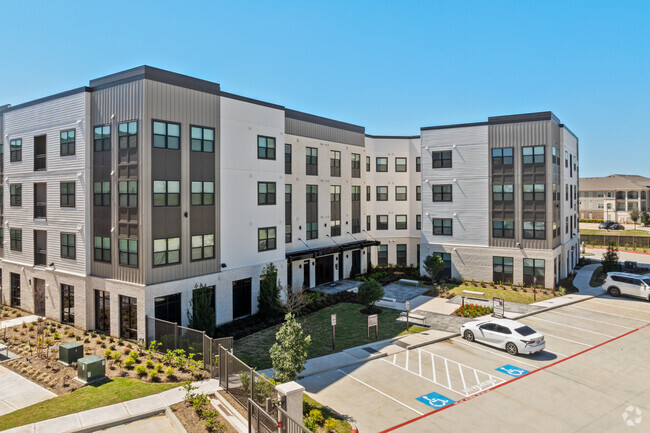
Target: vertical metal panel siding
321,132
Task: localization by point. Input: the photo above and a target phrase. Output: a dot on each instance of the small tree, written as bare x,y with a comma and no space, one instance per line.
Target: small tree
268,301
645,218
635,214
370,292
201,314
433,265
289,352
610,258
295,299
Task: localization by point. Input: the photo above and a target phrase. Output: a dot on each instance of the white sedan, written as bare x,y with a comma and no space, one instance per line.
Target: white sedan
506,334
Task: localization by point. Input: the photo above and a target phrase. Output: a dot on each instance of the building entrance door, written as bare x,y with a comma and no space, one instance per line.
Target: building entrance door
324,269
306,280
39,297
356,263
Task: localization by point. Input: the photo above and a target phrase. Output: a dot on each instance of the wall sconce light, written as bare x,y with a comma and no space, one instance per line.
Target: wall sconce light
223,265
313,263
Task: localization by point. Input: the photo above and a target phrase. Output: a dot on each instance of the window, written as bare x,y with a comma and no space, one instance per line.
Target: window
382,193
102,138
400,222
312,193
401,254
203,193
265,192
15,290
446,260
368,193
382,222
566,159
168,308
441,192
382,254
356,225
266,239
312,161
566,193
67,142
67,194
502,156
418,222
503,229
554,157
400,165
400,193
312,230
127,133
166,135
367,163
128,249
534,230
335,228
102,193
202,139
166,251
418,193
287,233
166,192
16,194
566,225
102,311
418,166
356,165
442,227
287,159
265,147
335,193
534,271
382,164
16,239
368,219
241,298
68,245
534,192
441,159
128,317
202,247
67,303
16,150
102,249
335,163
533,155
128,193
503,192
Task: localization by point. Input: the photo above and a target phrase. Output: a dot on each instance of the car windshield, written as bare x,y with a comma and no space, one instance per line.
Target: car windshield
646,281
525,330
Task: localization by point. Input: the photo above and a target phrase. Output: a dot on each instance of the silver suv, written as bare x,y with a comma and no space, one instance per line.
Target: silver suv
621,283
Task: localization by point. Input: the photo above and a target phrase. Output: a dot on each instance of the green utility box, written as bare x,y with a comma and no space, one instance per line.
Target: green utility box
91,368
70,352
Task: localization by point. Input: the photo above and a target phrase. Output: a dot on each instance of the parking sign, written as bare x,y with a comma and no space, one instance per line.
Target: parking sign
333,319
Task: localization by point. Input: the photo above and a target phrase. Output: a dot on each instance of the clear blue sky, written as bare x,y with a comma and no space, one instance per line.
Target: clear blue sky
391,66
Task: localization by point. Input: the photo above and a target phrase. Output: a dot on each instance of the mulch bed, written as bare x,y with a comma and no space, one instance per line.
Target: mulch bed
238,407
191,421
7,313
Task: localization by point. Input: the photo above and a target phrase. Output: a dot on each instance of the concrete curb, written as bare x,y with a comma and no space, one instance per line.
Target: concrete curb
175,421
119,421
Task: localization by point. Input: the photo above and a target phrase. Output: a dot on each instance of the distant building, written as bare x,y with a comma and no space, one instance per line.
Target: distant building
613,197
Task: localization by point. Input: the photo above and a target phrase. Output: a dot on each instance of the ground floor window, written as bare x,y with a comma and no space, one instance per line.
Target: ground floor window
15,290
67,303
401,255
534,271
446,259
241,297
128,317
204,311
168,308
382,254
102,311
502,269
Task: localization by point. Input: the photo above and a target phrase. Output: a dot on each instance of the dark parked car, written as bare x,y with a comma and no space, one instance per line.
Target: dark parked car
605,225
616,227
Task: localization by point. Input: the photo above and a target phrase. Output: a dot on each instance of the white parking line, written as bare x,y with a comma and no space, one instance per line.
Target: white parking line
448,377
592,320
618,306
423,377
380,392
556,353
572,341
476,346
568,326
611,314
433,367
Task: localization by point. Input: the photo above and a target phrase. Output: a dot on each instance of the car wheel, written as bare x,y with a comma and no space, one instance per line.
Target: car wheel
468,335
614,291
511,348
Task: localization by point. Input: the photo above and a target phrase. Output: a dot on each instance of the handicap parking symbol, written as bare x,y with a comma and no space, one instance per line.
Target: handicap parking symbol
512,370
435,400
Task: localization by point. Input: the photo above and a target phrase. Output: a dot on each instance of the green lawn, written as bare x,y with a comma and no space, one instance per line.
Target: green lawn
112,391
508,295
645,233
350,332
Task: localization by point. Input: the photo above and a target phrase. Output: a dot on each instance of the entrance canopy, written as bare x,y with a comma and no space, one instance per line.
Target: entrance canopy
313,253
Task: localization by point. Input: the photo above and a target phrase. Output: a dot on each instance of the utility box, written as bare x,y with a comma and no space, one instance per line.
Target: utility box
91,368
70,352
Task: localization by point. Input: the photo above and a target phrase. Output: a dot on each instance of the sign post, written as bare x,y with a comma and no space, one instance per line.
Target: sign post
333,331
499,307
373,321
408,307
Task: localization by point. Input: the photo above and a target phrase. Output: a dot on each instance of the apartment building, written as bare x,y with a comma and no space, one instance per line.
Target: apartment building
611,198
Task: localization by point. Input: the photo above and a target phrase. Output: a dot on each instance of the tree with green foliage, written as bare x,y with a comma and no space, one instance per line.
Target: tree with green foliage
289,352
370,292
645,218
201,315
610,258
433,265
635,215
268,301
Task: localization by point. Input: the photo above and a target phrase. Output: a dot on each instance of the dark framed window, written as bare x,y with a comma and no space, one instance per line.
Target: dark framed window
127,133
446,260
202,193
67,192
16,194
102,138
503,192
166,135
356,193
400,222
534,270
400,165
265,147
418,222
335,193
16,150
335,163
382,193
335,228
16,239
166,251
534,230
356,225
442,227
202,139
312,230
401,254
102,311
503,229
67,141
128,317
287,233
382,164
356,165
67,303
400,193
368,219
441,192
265,193
128,249
202,247
287,159
102,193
312,194
166,192
241,298
533,154
382,254
311,160
368,194
68,245
382,222
418,193
102,249
367,163
168,308
502,269
441,159
128,193
15,289
266,239
502,156
418,165
534,192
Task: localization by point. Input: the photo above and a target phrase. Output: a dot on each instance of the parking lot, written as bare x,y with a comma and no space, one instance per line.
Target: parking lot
595,364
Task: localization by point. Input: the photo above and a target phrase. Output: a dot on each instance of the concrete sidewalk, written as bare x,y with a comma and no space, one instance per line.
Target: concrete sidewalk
17,392
18,321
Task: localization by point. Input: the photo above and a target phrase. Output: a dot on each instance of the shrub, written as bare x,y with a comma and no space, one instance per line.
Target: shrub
169,371
128,362
141,370
103,345
472,310
120,342
149,363
134,354
313,419
370,292
86,340
153,375
330,425
107,353
159,367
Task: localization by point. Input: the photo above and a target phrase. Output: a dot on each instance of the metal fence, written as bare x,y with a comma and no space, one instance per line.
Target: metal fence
290,425
618,240
258,420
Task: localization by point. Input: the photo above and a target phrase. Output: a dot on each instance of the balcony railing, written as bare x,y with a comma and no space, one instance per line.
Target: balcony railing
39,162
40,210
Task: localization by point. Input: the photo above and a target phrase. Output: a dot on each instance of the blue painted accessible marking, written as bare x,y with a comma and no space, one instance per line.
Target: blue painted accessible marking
435,400
512,370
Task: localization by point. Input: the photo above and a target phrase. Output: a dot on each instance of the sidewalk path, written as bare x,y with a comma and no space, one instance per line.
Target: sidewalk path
18,321
17,392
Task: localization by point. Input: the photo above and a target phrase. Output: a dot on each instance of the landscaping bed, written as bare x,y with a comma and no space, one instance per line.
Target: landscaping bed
473,310
515,293
7,313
